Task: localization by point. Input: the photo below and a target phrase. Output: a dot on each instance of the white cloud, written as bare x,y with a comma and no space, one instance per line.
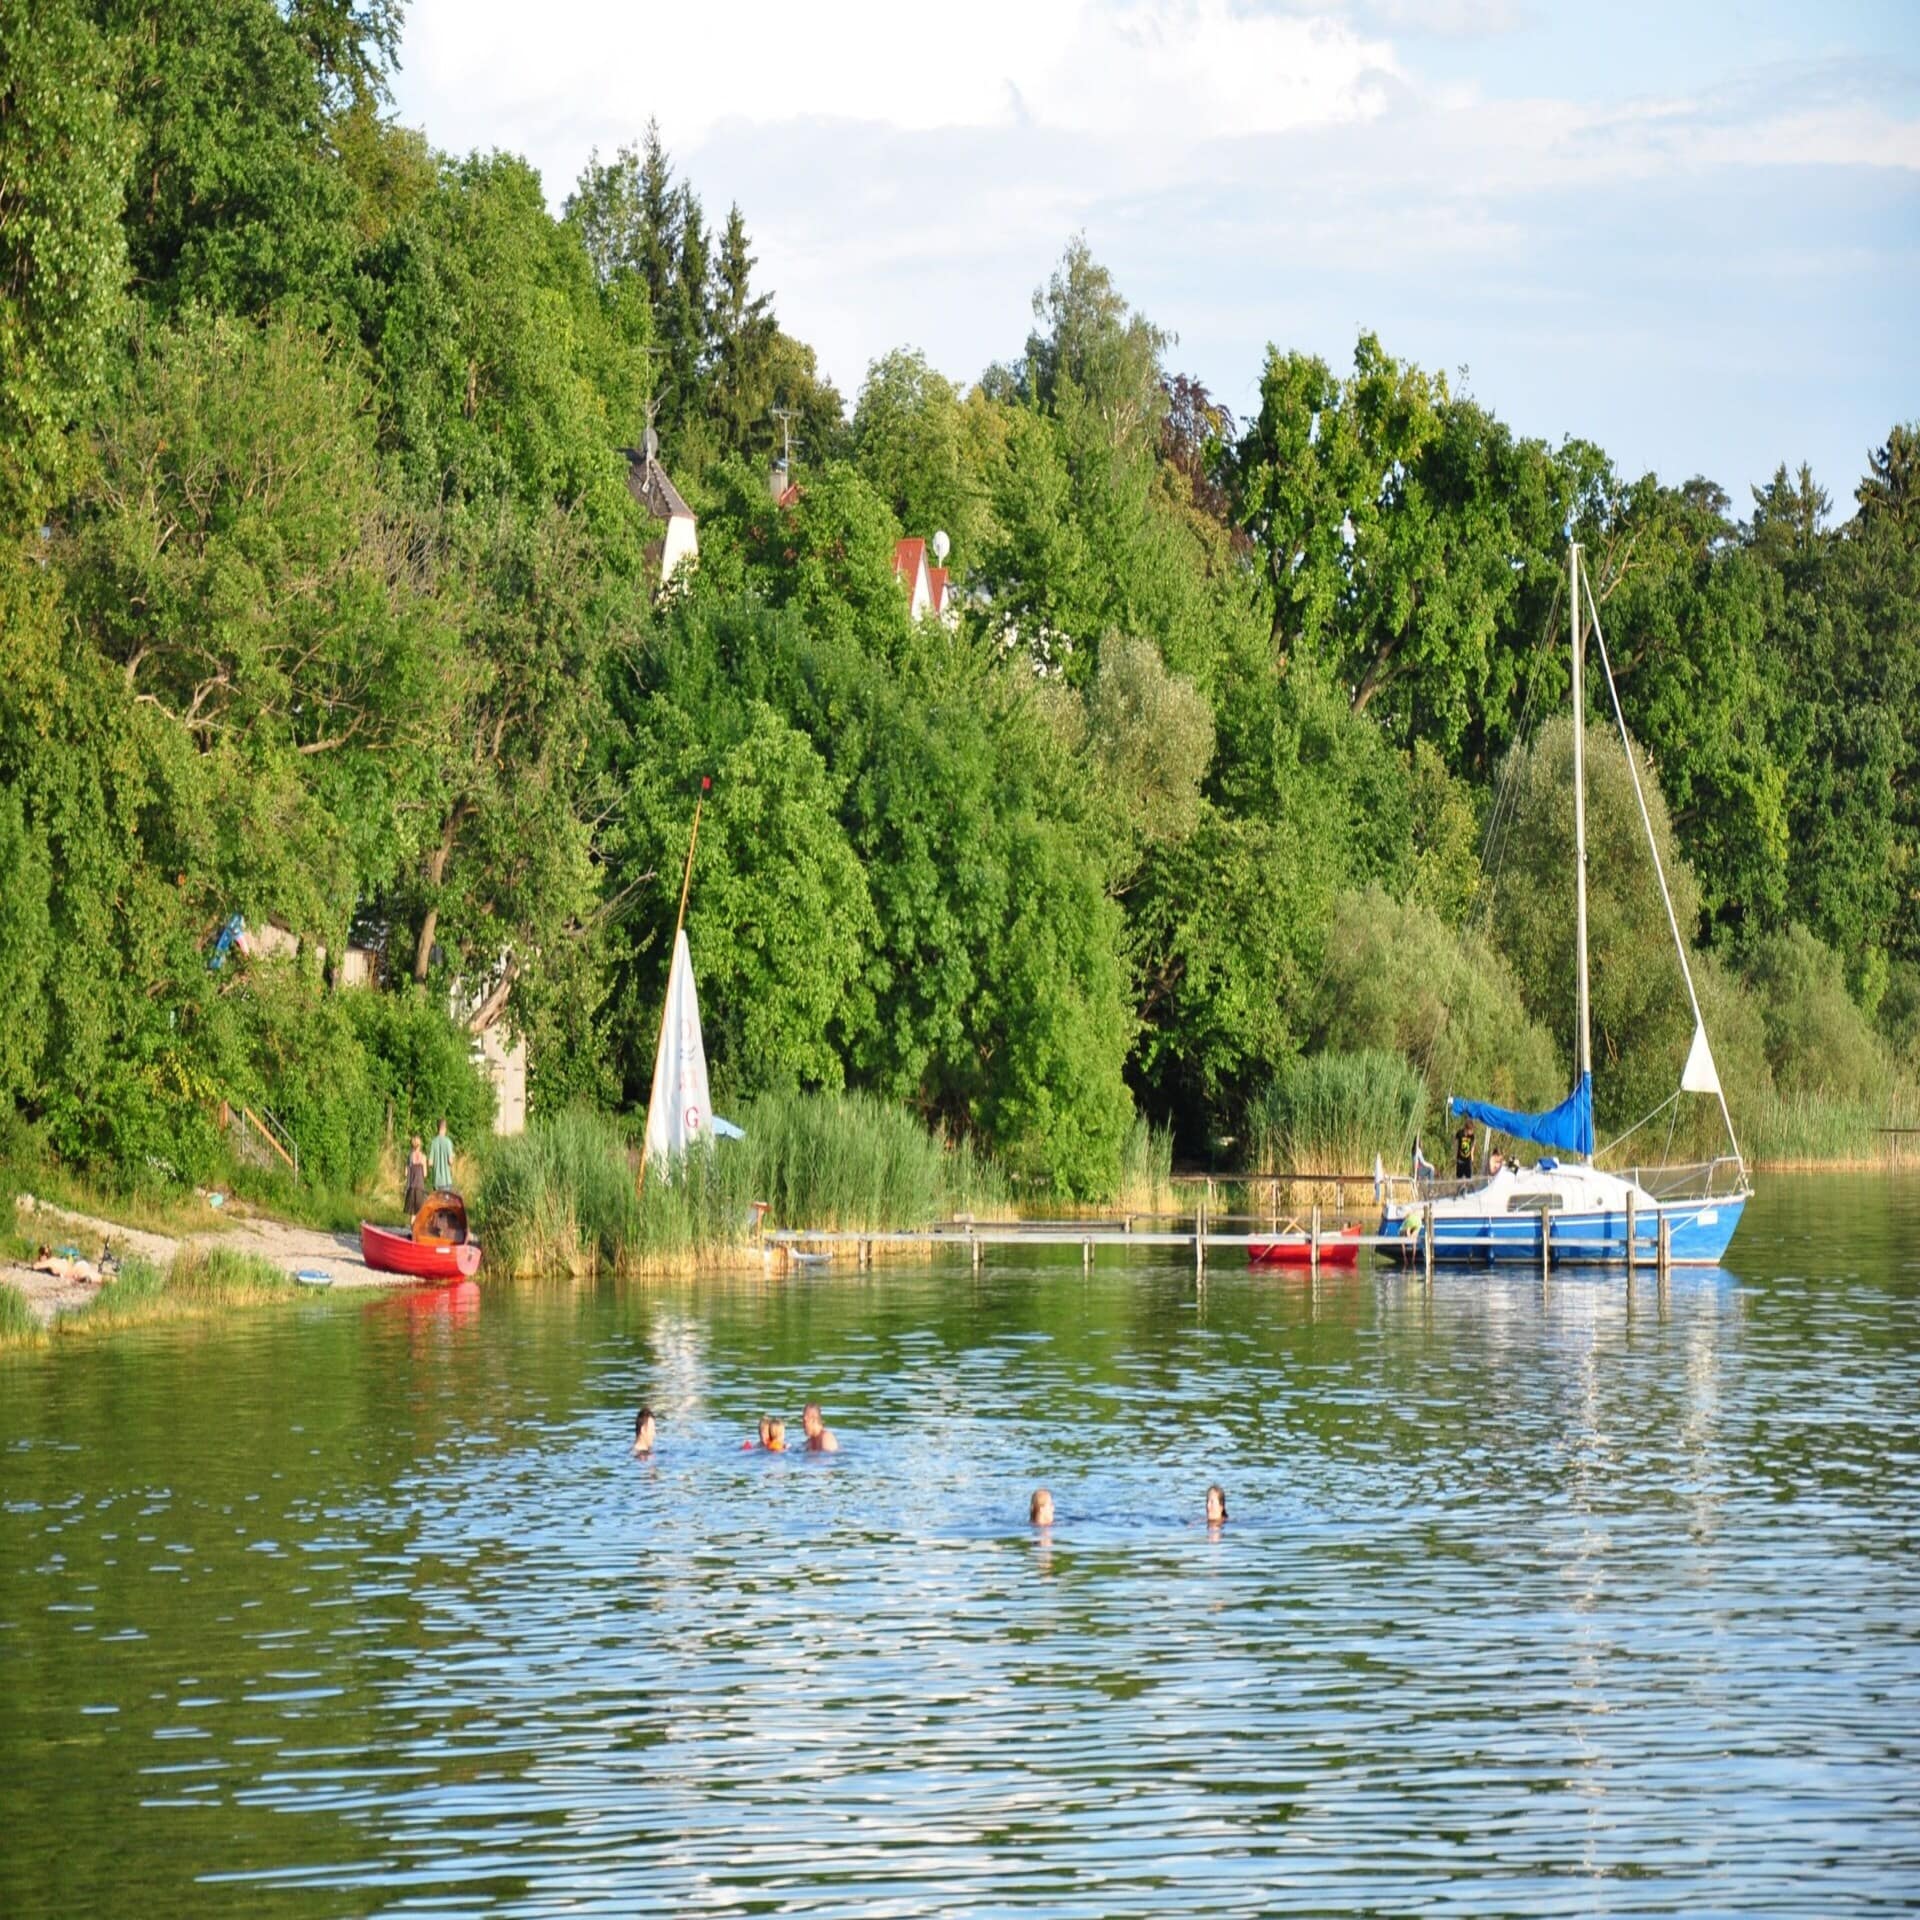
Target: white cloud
1251,169
1173,71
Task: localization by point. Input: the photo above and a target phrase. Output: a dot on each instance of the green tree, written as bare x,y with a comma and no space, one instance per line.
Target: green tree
63,260
910,439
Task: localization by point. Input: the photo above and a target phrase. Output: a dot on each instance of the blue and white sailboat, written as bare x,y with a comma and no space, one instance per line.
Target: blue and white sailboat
1564,1209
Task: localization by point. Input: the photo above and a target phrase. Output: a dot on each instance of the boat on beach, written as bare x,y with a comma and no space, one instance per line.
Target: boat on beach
435,1247
1564,1209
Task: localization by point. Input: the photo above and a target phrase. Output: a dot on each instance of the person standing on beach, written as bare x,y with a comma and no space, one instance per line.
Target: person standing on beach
440,1158
416,1178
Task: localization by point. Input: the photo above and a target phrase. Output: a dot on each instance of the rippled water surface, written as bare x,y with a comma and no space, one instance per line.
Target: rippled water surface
1535,1602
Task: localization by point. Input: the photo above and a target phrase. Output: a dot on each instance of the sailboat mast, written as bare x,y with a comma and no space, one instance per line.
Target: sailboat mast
1584,1064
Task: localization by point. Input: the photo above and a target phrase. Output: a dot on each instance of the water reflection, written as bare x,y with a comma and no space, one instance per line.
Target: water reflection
1531,1600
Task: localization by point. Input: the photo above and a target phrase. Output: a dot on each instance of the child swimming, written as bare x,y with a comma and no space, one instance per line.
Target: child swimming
1040,1508
643,1431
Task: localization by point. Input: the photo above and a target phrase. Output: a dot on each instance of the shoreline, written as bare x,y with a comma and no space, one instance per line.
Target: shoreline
287,1247
280,1243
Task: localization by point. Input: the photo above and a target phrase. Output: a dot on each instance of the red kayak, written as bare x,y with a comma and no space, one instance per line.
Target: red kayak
1340,1248
436,1248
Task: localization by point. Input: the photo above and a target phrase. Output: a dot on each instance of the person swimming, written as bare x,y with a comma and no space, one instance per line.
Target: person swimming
1040,1508
819,1435
1216,1506
775,1432
643,1431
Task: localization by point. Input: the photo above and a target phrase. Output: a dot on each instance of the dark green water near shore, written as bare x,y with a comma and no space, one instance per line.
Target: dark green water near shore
1570,1601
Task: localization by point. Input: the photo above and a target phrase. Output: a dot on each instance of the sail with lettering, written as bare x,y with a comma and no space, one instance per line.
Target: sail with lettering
680,1109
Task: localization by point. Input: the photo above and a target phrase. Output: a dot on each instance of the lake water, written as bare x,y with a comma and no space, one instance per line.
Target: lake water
1565,1602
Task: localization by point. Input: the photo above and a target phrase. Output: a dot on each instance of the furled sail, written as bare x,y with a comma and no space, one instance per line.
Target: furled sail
1569,1126
680,1110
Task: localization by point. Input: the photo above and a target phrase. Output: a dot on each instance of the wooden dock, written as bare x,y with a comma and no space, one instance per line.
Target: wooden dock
1205,1235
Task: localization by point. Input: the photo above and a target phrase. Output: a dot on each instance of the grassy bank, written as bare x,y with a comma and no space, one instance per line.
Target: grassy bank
564,1196
199,1281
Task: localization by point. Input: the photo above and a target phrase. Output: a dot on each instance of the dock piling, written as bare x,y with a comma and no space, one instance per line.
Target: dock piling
1426,1239
1313,1240
1633,1229
1664,1254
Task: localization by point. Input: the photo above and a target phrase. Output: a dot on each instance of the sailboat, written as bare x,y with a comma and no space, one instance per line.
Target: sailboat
1563,1208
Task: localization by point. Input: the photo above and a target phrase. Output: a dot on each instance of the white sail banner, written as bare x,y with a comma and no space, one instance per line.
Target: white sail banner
1699,1075
680,1110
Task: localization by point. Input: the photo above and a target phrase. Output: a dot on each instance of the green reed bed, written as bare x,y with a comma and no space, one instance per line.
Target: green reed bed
1146,1169
1813,1130
19,1325
564,1196
1332,1112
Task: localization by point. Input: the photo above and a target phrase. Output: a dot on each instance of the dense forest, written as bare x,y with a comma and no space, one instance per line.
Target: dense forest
326,602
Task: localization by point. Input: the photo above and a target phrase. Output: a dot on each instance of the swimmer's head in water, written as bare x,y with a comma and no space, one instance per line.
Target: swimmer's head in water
1216,1506
766,1427
810,1421
1040,1508
643,1431
776,1436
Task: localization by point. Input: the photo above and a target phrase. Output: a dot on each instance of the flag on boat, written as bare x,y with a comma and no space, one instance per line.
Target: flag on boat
680,1109
1569,1126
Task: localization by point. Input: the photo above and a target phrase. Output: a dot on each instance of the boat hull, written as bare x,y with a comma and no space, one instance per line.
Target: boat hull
387,1252
1700,1231
1338,1249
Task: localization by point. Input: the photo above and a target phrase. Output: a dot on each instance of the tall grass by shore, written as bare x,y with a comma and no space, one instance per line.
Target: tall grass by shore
1332,1112
1814,1130
564,1195
198,1281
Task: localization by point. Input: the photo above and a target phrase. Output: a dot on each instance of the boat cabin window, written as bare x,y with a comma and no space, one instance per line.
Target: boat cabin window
1547,1202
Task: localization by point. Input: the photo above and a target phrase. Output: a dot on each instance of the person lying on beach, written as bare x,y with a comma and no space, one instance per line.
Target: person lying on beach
643,1431
819,1435
1040,1508
1216,1506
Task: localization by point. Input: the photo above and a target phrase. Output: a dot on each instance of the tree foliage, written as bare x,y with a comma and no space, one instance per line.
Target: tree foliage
325,598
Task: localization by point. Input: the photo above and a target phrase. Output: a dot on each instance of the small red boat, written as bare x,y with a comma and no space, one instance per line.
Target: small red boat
436,1248
1339,1248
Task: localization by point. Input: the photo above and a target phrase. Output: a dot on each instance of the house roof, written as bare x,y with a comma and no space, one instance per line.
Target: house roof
648,483
937,582
909,556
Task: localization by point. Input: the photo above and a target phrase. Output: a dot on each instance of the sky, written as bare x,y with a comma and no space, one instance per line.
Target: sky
1687,231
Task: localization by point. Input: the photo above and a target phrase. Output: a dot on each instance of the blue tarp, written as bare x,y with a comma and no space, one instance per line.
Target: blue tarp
1569,1126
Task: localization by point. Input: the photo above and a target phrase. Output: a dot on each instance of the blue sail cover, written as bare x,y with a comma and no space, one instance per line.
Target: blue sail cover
1569,1126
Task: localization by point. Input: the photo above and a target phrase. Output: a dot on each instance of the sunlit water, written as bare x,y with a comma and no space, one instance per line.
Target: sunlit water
1570,1601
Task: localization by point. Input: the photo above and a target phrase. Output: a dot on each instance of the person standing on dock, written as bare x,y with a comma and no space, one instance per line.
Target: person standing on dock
440,1158
416,1178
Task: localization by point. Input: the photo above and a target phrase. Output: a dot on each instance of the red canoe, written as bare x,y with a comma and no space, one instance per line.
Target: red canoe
1340,1248
437,1247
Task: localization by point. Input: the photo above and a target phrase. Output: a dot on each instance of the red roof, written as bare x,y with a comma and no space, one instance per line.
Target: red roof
908,558
937,580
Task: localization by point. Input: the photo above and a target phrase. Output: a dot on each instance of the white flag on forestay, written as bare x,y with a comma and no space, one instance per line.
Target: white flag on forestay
1698,1075
680,1110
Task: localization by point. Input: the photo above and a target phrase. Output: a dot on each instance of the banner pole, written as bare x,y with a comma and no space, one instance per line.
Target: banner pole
679,920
